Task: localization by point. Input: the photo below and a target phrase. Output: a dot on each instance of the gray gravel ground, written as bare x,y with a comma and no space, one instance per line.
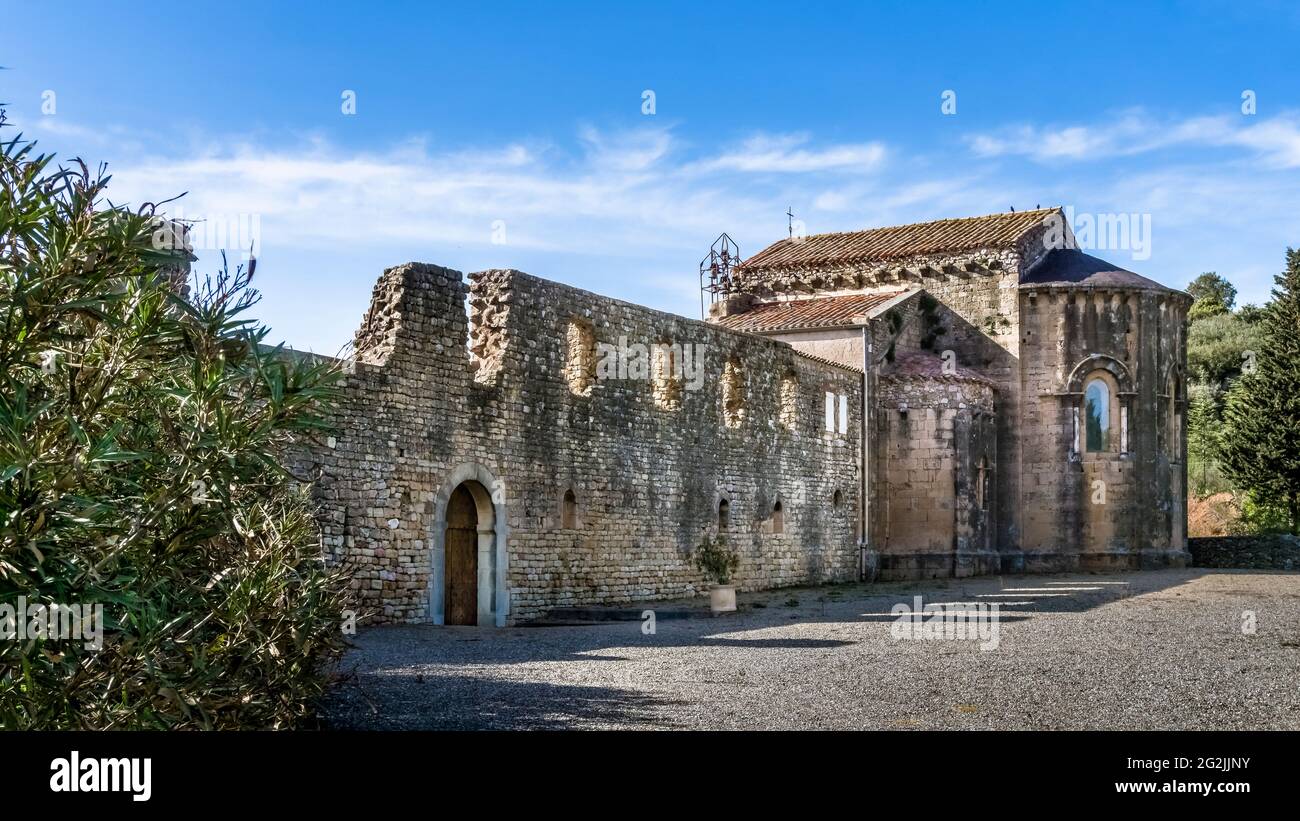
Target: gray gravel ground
1151,650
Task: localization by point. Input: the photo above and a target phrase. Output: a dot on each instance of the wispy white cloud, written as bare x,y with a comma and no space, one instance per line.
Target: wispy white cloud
631,188
1273,141
630,212
787,154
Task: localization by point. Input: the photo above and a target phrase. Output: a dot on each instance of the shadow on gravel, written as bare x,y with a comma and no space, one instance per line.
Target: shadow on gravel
767,644
410,701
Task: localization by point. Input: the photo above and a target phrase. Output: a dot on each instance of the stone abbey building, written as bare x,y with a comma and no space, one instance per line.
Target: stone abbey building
950,398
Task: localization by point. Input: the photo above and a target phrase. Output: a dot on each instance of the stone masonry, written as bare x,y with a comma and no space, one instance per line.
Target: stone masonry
944,399
592,486
988,334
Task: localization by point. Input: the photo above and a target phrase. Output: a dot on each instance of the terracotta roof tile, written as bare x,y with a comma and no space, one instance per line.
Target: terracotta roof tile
927,366
823,360
996,231
822,312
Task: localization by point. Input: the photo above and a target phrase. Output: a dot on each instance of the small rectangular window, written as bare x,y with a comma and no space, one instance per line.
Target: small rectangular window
844,414
830,412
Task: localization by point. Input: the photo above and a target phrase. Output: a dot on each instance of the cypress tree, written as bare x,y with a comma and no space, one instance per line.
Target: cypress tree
1203,427
1260,446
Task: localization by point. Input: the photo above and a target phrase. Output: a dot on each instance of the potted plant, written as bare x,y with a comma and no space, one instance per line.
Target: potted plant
718,562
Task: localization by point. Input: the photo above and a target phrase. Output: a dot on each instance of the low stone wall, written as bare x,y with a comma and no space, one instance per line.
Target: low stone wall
1274,552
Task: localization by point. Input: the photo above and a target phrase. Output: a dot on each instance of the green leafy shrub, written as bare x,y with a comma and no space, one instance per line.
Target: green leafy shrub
1215,347
139,433
1259,517
716,560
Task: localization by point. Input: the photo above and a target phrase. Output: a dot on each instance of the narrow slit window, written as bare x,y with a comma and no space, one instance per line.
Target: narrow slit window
569,511
733,393
580,358
789,416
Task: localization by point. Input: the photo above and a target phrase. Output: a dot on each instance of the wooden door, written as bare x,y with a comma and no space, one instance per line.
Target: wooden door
461,560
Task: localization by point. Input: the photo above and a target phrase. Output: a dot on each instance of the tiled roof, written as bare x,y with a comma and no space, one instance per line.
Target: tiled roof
995,231
927,366
822,312
823,360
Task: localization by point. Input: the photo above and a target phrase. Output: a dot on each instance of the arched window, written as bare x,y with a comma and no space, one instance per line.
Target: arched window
724,514
837,500
1096,408
981,479
569,511
778,518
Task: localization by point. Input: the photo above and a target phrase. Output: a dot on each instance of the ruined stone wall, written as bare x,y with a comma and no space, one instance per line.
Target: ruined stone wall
647,460
1123,507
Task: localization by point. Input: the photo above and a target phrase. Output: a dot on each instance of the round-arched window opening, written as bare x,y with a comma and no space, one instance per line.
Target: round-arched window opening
778,518
837,500
1096,406
724,514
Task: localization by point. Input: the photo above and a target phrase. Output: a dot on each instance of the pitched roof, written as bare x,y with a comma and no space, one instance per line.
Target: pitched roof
823,360
918,365
995,231
822,312
1070,266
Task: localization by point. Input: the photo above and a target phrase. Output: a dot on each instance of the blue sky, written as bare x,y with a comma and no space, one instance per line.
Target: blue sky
513,135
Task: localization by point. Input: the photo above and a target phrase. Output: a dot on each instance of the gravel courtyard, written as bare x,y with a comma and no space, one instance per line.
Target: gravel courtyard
1151,650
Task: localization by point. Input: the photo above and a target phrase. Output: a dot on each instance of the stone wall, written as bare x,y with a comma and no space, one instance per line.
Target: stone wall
512,409
935,469
1271,552
973,312
1122,508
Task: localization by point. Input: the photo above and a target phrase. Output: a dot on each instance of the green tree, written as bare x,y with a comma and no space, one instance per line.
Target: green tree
1213,288
1206,307
1250,314
1203,423
1217,346
139,433
1260,444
